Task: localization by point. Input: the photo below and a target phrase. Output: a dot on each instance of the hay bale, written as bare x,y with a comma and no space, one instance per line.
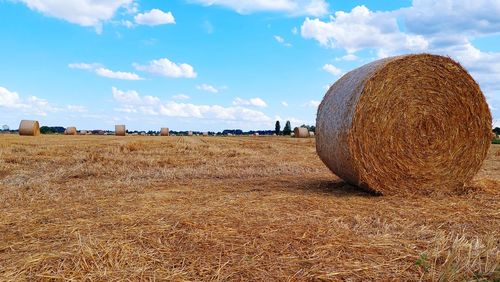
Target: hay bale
311,134
164,131
120,130
256,134
205,133
70,131
414,123
83,132
29,128
301,132
190,133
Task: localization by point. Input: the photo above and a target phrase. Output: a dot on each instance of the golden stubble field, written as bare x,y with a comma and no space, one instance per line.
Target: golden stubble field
249,208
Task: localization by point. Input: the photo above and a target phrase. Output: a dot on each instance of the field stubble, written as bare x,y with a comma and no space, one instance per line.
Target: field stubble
194,208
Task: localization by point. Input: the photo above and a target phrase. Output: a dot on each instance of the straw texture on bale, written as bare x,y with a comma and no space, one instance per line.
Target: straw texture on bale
120,130
406,124
165,131
70,131
301,132
29,128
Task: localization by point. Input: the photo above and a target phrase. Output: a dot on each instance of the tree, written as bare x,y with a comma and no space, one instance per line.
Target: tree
288,128
309,127
497,130
277,128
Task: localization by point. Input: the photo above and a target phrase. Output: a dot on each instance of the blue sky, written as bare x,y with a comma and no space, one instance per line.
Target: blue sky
218,64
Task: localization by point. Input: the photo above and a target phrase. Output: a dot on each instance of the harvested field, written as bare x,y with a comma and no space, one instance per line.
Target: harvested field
194,208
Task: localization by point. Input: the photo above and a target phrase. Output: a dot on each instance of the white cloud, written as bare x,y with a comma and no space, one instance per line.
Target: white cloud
291,7
104,72
117,74
83,66
132,97
348,57
207,88
281,40
256,102
284,104
361,29
131,102
154,17
295,30
312,104
332,69
167,68
181,97
89,13
127,23
32,104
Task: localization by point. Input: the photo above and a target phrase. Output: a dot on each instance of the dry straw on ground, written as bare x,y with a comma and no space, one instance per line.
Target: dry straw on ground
105,208
29,128
165,131
301,132
120,130
70,131
406,124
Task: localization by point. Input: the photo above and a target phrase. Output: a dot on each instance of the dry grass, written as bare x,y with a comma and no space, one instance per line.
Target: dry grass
193,208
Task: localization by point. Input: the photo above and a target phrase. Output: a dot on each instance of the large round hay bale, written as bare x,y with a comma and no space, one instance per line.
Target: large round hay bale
164,131
190,133
301,132
414,123
70,131
29,128
120,130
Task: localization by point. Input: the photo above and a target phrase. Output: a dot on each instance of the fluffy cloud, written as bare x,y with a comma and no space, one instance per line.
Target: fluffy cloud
89,13
167,68
117,74
312,104
181,97
332,69
291,7
154,17
281,40
256,102
132,102
360,29
284,104
32,104
104,72
132,97
207,88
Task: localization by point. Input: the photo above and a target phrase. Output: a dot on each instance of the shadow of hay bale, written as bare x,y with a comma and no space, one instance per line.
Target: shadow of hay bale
337,188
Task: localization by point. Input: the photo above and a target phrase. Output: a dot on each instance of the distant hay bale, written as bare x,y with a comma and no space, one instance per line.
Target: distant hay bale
70,131
406,124
205,133
120,130
190,133
29,128
311,134
164,131
83,132
301,132
256,134
292,134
